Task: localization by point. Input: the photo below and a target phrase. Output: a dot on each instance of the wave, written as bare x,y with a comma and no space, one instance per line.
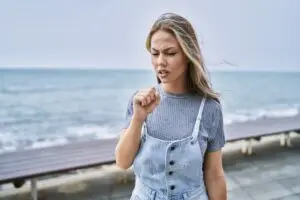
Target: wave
11,142
15,141
46,89
275,112
21,90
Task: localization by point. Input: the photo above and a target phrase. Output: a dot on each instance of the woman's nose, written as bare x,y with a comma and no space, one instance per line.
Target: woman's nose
161,60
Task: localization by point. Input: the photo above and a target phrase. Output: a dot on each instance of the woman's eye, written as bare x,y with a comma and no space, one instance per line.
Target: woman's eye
171,53
154,54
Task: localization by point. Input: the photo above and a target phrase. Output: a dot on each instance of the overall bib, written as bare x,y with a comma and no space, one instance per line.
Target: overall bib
170,169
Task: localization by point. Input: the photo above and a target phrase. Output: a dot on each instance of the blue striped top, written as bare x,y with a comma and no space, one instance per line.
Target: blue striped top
175,116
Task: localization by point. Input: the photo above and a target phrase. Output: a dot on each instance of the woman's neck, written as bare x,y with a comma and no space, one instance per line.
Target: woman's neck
174,88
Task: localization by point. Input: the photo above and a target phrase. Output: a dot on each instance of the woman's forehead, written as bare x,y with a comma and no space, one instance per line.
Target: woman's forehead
162,39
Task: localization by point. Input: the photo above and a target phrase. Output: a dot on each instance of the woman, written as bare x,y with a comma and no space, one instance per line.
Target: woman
174,131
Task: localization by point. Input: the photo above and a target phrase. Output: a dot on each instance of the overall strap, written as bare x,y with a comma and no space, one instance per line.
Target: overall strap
198,120
144,130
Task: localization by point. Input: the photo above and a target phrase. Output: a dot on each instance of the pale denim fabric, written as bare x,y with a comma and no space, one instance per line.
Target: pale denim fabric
152,166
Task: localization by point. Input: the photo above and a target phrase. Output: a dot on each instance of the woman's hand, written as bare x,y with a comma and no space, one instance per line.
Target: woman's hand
144,102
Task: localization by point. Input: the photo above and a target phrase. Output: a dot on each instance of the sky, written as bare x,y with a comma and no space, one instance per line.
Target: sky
248,34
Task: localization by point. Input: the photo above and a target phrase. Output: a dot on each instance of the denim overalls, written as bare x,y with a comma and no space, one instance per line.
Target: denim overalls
170,170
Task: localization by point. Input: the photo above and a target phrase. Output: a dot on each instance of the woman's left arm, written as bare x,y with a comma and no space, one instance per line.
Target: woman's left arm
213,168
214,176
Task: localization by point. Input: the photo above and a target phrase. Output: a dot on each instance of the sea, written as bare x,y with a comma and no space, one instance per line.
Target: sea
46,107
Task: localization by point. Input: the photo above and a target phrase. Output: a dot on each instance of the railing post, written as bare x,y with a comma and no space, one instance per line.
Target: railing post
250,147
244,147
34,191
285,140
282,139
288,140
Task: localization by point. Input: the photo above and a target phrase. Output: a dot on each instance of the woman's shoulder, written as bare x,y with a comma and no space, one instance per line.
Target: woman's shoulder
212,108
212,103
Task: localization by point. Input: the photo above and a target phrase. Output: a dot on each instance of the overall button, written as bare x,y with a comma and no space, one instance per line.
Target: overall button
172,148
171,162
170,172
172,187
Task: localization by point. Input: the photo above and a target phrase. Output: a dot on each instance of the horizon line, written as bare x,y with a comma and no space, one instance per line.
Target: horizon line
209,69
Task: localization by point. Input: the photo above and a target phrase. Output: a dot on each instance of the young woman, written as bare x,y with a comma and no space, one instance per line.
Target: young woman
174,131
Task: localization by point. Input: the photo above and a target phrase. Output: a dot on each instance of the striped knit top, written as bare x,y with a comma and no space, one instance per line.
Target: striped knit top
175,116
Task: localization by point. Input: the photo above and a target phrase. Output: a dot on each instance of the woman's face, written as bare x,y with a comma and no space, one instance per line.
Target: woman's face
168,59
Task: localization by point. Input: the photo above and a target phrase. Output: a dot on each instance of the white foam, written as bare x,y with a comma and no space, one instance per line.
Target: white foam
48,143
8,141
12,142
283,112
244,115
92,131
230,118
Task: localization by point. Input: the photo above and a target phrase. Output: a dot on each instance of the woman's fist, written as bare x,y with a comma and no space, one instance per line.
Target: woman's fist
144,102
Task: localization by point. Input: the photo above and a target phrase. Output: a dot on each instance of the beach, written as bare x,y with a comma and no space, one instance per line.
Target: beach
272,172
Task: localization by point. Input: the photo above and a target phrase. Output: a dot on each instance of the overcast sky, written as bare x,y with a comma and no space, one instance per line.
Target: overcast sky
253,34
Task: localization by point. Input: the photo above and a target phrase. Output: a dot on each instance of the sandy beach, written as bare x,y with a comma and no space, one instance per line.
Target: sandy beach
273,172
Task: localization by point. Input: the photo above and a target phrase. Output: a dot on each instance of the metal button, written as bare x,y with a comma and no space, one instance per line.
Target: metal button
170,172
171,162
172,148
172,187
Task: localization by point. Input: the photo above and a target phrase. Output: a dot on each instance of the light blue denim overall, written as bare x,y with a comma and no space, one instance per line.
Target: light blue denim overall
170,170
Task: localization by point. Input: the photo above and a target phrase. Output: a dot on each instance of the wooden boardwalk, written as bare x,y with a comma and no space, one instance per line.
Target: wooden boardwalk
57,159
256,129
38,162
16,167
272,174
262,127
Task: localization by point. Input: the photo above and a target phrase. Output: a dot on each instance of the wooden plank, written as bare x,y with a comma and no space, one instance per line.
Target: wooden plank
59,148
261,127
34,170
45,161
61,160
62,156
45,152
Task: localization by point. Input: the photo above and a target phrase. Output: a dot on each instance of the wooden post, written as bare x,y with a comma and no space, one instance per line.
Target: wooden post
245,146
250,147
288,140
282,139
285,139
34,192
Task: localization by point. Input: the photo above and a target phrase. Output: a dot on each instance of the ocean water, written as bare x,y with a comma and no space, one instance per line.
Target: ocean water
47,107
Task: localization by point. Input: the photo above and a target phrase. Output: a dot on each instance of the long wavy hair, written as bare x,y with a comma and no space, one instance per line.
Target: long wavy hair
181,28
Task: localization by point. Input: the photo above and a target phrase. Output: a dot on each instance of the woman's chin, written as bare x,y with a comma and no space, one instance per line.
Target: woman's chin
164,80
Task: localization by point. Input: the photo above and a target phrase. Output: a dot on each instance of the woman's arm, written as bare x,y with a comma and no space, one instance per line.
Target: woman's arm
213,168
128,144
214,176
140,105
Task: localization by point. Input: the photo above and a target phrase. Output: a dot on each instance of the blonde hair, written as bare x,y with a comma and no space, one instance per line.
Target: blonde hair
181,28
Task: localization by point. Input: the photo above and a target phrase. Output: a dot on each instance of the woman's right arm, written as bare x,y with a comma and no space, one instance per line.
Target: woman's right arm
143,103
128,144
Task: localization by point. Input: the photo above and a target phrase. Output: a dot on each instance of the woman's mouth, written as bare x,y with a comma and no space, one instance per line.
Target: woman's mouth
163,73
